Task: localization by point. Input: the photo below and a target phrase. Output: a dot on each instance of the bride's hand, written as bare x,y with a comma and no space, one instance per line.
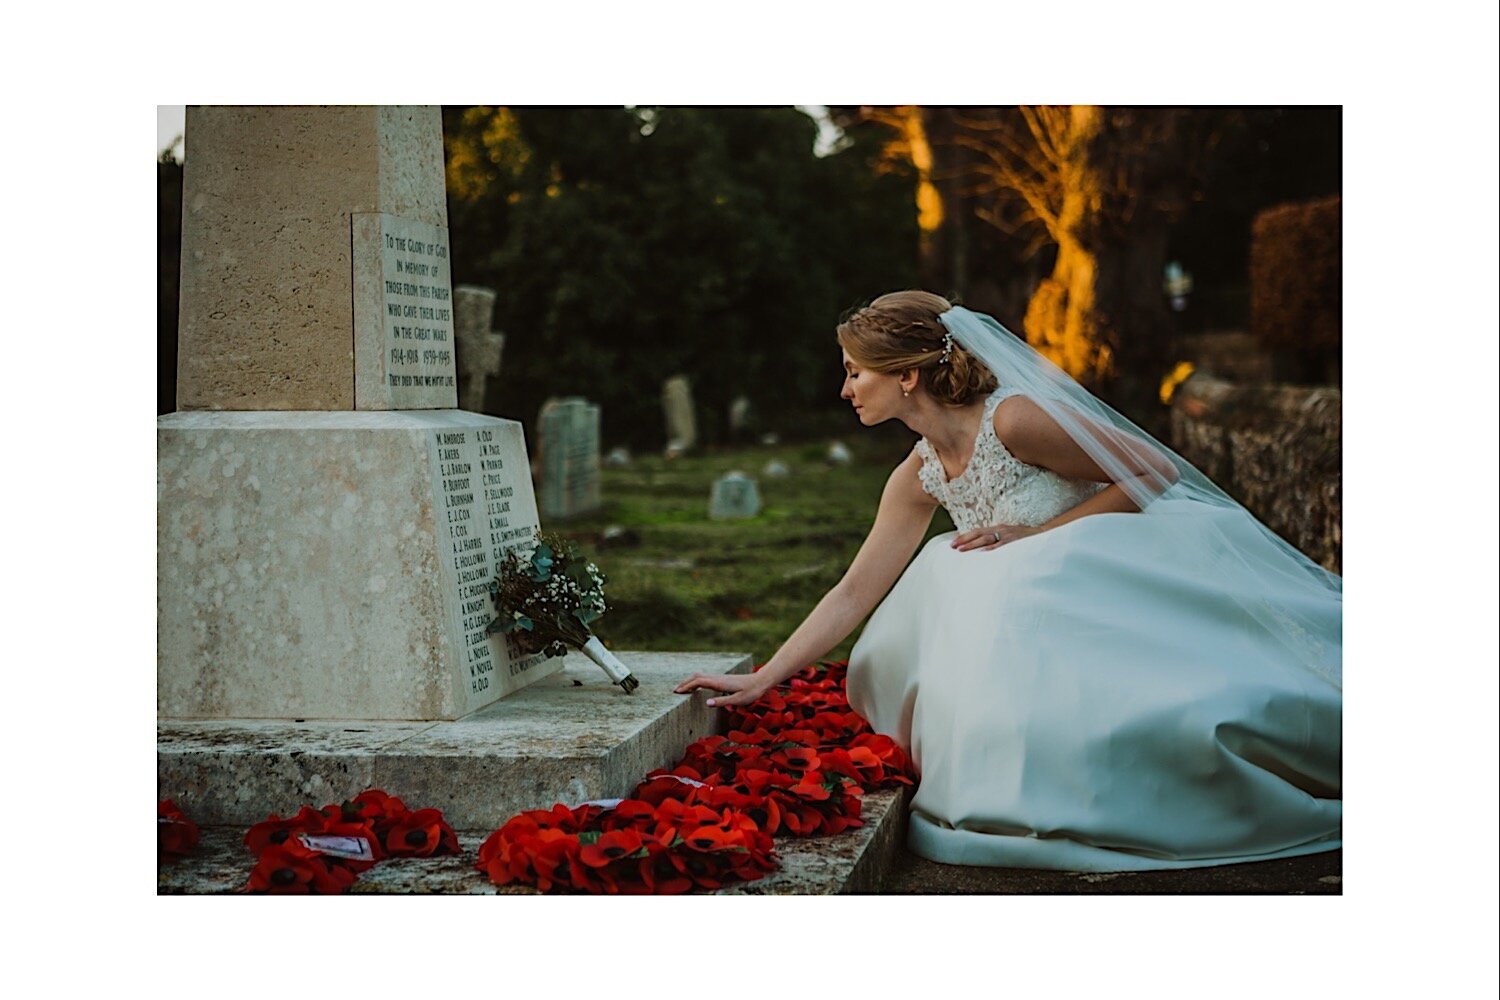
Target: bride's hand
742,688
992,537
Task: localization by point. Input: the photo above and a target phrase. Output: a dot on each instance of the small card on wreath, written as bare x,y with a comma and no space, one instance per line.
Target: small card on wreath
353,848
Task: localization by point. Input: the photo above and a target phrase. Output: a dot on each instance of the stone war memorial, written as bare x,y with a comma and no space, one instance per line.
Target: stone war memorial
329,520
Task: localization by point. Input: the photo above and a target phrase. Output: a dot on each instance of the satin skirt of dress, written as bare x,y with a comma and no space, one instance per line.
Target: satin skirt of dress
1096,698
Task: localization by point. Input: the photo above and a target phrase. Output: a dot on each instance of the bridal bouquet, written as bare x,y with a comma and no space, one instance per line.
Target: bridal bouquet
546,601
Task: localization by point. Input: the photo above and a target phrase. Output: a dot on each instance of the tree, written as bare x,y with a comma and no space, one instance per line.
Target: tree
630,245
1097,188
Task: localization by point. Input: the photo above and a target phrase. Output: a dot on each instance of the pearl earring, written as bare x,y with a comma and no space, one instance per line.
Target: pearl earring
906,392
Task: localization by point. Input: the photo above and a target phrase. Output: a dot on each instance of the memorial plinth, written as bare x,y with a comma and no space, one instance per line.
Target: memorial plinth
571,737
336,565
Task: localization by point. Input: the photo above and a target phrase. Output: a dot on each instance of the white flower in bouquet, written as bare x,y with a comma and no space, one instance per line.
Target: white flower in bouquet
546,601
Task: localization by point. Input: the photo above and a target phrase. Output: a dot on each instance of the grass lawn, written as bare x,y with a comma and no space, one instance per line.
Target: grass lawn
692,584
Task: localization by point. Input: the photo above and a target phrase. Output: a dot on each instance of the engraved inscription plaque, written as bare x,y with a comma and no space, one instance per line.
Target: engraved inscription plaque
403,315
483,508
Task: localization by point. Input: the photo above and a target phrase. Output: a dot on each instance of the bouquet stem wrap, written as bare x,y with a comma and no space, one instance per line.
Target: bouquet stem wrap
610,664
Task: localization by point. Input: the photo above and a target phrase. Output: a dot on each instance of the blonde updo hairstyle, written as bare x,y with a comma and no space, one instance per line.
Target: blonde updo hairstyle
900,331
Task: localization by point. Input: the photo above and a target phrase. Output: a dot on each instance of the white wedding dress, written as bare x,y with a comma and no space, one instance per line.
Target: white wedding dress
1096,697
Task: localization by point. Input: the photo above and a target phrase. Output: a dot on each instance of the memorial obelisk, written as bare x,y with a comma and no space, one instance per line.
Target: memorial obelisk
328,520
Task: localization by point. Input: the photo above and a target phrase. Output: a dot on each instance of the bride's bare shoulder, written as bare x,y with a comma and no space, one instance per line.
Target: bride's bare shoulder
1021,425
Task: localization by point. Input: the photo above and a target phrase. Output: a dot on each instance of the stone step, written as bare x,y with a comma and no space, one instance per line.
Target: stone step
857,860
569,738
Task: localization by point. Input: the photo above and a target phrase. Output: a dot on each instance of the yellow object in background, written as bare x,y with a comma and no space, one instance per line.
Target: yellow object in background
1177,376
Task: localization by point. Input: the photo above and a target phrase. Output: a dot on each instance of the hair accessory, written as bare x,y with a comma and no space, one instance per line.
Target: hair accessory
947,348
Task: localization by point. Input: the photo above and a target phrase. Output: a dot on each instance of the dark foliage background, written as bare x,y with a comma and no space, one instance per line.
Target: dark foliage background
632,245
628,245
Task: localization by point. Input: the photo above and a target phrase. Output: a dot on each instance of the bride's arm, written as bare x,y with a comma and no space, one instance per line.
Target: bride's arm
1033,437
904,514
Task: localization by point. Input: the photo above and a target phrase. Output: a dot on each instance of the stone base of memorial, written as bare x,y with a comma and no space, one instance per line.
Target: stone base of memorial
335,565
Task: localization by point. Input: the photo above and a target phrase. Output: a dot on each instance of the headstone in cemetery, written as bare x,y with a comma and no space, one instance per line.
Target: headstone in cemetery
568,430
838,454
735,495
776,470
740,417
677,403
479,347
618,458
770,439
333,564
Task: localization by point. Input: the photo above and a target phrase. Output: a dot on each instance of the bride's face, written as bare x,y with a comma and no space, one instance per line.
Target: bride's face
876,397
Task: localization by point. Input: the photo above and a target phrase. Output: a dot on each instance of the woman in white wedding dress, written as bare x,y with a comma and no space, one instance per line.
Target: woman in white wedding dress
1109,665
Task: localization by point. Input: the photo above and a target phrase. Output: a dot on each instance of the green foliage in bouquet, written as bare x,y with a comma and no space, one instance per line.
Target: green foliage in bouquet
547,600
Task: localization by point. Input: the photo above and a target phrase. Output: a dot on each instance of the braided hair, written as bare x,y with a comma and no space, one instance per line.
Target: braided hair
900,331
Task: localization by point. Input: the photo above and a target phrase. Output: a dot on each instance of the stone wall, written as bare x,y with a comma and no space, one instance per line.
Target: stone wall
1276,449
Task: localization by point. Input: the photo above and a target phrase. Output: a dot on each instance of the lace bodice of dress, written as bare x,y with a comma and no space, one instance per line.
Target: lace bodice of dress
996,487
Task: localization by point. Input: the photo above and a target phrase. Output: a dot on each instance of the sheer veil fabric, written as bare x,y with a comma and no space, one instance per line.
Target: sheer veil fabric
1160,482
1127,691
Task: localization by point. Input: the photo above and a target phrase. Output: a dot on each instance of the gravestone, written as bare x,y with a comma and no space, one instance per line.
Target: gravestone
568,430
480,348
838,454
776,469
735,495
741,415
328,522
677,403
618,458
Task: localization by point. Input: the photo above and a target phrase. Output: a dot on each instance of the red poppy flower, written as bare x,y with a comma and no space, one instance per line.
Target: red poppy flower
661,876
291,869
749,797
634,813
795,760
714,838
275,830
610,847
557,865
506,855
176,835
662,785
421,834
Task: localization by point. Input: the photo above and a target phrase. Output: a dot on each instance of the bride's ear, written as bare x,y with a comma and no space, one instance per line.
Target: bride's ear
909,380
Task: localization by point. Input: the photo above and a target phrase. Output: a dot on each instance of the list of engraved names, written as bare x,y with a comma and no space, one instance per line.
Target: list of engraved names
476,491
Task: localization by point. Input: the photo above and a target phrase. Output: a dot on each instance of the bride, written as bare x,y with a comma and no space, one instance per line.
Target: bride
1110,665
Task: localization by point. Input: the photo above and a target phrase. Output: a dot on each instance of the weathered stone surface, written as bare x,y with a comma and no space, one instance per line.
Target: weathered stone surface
266,311
853,861
335,565
571,737
480,348
1276,449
